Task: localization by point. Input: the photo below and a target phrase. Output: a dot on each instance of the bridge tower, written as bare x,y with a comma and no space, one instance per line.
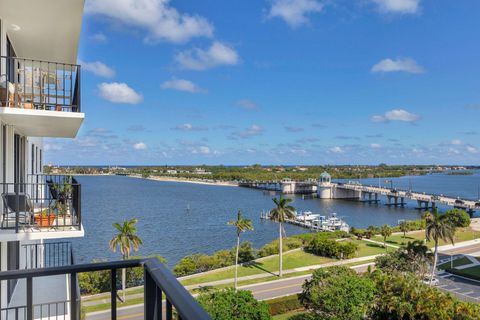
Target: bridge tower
324,188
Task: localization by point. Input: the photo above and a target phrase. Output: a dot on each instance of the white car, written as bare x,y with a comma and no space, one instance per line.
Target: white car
434,281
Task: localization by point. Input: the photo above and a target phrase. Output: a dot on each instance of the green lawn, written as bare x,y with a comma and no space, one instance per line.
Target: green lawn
398,239
106,306
469,272
368,248
456,263
287,316
270,265
291,260
106,295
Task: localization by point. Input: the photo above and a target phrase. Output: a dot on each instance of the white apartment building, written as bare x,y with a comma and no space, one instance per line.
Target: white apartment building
39,97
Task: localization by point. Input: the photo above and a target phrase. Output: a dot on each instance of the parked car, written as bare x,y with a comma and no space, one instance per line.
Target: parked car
433,282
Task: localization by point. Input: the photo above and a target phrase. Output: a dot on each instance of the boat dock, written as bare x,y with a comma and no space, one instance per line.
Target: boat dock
315,222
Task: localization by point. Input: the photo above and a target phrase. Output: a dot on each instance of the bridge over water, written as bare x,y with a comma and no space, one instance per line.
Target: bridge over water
397,197
326,189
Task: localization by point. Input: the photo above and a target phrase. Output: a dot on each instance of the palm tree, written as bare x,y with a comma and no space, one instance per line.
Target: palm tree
385,231
438,227
372,230
404,227
280,213
419,255
126,239
242,225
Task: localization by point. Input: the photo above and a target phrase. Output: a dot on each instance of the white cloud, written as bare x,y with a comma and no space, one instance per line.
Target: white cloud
201,150
198,59
293,129
157,17
185,126
86,142
188,127
99,37
456,142
396,115
378,119
472,149
294,12
139,146
181,85
119,93
98,68
399,65
375,145
52,147
253,130
336,150
247,104
398,6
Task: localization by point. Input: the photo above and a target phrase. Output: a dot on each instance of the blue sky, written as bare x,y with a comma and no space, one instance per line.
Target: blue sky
277,82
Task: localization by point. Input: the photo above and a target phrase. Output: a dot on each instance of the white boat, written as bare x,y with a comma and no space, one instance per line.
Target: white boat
331,223
307,216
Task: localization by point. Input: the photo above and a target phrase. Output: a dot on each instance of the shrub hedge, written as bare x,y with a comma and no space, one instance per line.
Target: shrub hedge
284,304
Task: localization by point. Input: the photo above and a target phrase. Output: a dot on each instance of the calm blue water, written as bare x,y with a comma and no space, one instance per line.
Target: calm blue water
167,228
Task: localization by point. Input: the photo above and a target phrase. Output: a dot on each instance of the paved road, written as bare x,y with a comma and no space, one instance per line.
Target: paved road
463,289
472,249
261,291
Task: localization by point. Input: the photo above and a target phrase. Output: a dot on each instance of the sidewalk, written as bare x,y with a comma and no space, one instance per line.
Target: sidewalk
240,287
289,271
381,243
458,245
87,302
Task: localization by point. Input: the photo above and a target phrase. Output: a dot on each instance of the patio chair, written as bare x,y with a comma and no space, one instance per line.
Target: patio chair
13,203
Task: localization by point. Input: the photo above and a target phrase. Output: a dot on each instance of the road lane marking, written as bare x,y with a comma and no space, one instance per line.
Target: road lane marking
275,289
129,316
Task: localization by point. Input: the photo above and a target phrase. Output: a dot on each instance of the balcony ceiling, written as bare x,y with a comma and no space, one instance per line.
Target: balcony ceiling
43,29
43,123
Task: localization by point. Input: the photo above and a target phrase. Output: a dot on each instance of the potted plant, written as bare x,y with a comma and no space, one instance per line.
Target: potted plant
64,193
44,218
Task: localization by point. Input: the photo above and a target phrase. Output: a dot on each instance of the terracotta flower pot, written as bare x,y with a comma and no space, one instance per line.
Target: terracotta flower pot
44,220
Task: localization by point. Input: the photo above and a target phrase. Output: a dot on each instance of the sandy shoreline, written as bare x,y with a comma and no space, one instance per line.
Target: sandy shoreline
172,179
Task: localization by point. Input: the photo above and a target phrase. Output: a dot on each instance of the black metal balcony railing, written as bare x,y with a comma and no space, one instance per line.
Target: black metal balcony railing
47,255
158,283
40,85
45,202
44,255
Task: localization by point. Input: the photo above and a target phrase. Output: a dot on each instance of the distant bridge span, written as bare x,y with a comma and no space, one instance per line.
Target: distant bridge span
397,196
325,189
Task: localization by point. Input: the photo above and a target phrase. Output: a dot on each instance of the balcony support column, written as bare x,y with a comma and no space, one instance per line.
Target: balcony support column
73,297
29,298
113,294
